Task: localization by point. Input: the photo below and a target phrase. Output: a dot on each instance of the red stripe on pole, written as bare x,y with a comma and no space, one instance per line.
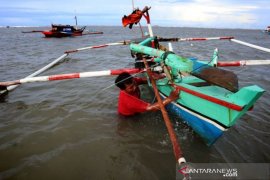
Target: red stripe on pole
224,38
204,39
71,51
100,46
229,63
153,44
147,17
10,83
64,76
211,99
130,71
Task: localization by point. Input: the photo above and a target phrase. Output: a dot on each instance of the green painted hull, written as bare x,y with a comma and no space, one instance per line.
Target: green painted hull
245,98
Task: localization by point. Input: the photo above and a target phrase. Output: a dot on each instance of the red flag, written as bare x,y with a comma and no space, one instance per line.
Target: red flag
133,18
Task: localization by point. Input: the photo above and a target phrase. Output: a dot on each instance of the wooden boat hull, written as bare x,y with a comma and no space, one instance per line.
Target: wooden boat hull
209,129
61,34
206,117
209,102
63,31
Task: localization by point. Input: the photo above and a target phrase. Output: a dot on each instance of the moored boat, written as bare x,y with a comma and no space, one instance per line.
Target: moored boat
63,31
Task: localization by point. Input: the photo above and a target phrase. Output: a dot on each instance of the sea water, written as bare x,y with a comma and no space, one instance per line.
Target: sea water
71,129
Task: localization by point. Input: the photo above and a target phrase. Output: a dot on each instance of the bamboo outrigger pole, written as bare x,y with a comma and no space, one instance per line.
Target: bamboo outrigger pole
242,63
251,45
70,76
147,17
195,39
34,31
98,46
176,147
12,87
88,33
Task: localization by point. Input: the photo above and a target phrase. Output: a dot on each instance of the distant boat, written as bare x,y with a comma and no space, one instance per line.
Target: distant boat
59,31
267,30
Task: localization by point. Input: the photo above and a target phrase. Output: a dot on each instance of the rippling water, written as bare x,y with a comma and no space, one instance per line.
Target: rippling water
71,130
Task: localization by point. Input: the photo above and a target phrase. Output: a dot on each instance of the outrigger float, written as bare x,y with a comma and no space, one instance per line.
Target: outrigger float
210,101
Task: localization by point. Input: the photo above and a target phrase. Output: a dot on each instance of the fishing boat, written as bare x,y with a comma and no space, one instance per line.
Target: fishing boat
59,31
210,100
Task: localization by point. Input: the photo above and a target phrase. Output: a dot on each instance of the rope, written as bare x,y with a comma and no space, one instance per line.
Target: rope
133,75
164,55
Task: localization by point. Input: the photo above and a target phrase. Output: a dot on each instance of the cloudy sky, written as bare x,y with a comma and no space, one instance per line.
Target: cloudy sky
248,14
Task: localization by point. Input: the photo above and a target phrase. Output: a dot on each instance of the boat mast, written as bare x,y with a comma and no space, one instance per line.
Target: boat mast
76,21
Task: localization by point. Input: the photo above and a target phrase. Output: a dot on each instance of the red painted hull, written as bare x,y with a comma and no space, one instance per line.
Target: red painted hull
61,34
63,31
